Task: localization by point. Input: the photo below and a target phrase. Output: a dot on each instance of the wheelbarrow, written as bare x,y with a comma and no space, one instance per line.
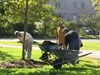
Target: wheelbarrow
66,57
46,48
60,56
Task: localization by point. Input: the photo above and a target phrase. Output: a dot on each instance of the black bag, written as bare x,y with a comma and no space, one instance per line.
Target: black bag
48,43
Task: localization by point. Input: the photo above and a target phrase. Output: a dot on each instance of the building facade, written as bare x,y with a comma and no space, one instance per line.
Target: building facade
72,9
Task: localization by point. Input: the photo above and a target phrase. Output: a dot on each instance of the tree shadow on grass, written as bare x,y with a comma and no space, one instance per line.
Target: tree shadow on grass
87,69
76,71
5,56
6,72
93,66
22,72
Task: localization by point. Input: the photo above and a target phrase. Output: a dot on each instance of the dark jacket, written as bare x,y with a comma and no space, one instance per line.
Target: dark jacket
70,36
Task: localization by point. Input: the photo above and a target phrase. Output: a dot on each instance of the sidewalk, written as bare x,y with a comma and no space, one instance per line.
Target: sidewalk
95,54
13,46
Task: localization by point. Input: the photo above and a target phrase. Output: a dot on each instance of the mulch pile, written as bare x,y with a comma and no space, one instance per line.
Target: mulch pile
22,64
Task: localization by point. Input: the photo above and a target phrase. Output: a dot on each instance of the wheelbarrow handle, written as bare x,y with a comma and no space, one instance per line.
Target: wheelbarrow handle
85,54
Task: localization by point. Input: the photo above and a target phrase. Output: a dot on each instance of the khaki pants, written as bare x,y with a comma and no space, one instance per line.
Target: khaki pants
28,50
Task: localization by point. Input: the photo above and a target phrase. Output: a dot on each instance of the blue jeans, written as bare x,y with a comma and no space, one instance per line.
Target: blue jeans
75,44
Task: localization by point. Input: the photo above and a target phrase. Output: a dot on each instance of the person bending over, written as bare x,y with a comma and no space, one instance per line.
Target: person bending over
28,42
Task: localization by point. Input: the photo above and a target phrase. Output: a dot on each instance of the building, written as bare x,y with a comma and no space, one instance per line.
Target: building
72,9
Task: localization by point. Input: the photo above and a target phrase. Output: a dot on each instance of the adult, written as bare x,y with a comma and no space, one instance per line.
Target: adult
60,34
72,41
27,43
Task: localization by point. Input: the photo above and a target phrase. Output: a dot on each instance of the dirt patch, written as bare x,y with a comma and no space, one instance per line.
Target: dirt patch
22,64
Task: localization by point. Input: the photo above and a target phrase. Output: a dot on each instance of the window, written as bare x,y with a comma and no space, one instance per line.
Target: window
57,4
78,5
83,6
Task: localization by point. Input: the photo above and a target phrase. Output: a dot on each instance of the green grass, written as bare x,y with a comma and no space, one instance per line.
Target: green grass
13,43
89,36
9,43
87,66
15,53
91,46
86,45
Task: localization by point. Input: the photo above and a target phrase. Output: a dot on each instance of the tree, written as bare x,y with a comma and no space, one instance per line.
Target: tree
26,12
72,25
39,10
92,22
25,28
96,4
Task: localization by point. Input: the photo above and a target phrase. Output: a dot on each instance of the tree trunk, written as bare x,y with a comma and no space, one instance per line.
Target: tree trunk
99,35
25,28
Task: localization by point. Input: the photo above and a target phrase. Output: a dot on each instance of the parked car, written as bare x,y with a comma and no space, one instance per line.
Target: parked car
89,31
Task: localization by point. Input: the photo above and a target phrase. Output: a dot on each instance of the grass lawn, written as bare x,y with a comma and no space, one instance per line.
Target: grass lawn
13,43
87,66
86,45
91,46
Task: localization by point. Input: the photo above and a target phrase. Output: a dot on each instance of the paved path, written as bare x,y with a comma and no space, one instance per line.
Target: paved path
95,54
14,39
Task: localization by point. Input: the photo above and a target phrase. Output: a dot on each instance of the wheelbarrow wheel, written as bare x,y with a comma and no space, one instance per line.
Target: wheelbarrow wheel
44,56
57,64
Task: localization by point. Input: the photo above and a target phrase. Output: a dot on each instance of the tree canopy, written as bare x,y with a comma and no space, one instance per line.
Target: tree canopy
96,4
12,14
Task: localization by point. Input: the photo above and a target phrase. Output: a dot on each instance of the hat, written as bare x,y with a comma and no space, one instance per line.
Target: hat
65,30
60,23
16,32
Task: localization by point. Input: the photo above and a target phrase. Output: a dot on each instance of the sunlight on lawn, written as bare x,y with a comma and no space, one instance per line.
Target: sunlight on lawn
87,66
